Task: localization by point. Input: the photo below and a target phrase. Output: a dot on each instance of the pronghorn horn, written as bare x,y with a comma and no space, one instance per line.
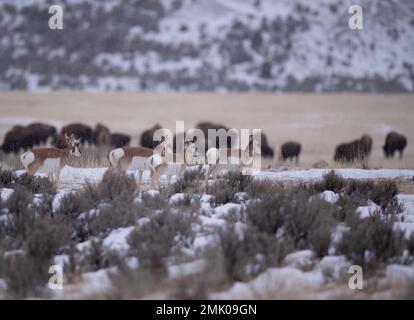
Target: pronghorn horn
194,139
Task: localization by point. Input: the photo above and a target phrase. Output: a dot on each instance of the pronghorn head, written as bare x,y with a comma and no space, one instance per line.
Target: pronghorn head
72,144
163,148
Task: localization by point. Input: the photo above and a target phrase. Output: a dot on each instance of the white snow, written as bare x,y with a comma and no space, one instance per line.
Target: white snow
317,174
175,198
329,196
275,282
304,259
222,211
366,211
186,269
334,267
117,240
5,194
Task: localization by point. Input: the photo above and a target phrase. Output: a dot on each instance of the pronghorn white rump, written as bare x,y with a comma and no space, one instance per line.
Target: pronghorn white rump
233,158
161,166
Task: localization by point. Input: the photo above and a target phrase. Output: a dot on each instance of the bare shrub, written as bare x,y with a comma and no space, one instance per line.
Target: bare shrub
192,181
96,257
331,181
6,178
152,242
268,214
110,216
382,193
117,185
246,256
26,272
223,190
410,244
310,223
135,283
261,189
307,223
371,242
192,287
36,184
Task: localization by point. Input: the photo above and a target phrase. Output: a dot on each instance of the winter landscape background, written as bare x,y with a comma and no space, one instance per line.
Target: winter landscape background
291,68
208,45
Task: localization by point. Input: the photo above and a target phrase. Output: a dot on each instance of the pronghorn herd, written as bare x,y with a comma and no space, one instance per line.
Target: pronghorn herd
159,161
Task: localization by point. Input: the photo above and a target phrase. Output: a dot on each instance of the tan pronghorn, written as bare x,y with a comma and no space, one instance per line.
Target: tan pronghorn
136,158
50,160
167,162
235,158
141,159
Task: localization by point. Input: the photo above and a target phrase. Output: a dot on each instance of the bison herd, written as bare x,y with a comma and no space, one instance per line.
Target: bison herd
26,137
21,138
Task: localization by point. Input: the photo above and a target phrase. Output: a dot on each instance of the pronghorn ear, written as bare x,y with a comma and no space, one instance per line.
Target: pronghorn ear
66,138
162,138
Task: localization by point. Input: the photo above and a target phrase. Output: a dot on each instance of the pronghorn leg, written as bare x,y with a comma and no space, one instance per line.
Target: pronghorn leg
140,173
155,175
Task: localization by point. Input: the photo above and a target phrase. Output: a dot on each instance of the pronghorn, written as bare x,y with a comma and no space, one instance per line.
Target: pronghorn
136,158
50,160
161,166
235,157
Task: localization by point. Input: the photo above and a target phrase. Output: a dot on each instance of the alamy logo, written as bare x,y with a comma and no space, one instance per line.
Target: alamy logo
355,22
56,20
356,281
56,280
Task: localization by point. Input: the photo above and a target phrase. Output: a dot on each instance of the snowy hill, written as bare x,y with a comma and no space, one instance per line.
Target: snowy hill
220,45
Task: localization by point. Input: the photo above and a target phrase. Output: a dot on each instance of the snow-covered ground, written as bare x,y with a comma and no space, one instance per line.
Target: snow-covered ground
317,174
302,274
73,178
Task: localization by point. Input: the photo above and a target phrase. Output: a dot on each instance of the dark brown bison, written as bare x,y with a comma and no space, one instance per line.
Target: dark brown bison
357,150
80,131
205,126
20,137
147,136
119,140
394,142
266,150
101,135
13,139
41,132
290,150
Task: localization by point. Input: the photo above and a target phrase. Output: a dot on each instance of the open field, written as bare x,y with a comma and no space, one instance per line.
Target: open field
115,238
319,122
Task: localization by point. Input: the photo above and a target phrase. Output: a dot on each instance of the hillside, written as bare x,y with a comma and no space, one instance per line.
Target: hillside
200,45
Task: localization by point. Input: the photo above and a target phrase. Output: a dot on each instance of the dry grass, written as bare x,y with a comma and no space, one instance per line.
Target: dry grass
318,121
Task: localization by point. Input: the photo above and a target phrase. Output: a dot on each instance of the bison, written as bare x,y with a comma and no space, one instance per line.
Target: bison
357,150
81,131
290,150
266,150
394,142
147,137
205,126
13,139
101,135
20,137
119,140
41,132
